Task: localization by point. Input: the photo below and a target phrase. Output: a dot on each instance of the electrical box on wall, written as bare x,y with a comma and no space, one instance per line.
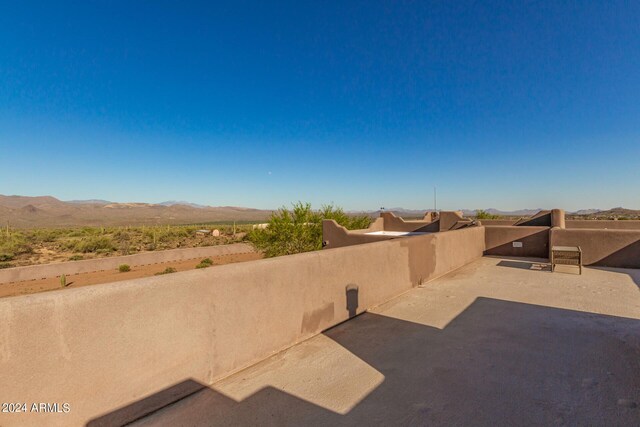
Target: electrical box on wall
517,244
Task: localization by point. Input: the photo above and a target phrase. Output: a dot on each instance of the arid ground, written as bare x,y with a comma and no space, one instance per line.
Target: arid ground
21,247
108,276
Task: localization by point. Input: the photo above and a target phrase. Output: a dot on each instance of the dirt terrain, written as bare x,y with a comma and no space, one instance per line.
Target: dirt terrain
22,247
108,276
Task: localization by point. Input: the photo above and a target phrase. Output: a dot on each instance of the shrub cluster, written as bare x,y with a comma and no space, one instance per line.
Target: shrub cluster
207,262
16,244
101,244
167,270
300,229
12,245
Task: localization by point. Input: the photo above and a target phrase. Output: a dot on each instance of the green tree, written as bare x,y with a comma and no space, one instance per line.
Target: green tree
296,230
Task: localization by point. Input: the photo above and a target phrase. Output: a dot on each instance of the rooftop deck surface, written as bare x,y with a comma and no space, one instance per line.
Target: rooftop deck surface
498,342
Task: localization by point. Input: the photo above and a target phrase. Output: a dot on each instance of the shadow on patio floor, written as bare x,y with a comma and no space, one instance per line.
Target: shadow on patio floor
498,362
525,265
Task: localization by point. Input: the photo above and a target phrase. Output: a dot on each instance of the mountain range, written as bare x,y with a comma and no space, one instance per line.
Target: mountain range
47,211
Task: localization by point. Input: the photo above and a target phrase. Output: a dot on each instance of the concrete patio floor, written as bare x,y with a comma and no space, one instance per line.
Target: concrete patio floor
498,342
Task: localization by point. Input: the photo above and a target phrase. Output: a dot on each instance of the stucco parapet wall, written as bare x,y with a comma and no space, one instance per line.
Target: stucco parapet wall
43,271
335,235
532,241
431,222
496,222
392,222
607,248
603,224
544,218
100,348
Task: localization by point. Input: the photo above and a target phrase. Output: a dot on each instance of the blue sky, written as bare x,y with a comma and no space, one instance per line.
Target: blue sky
364,104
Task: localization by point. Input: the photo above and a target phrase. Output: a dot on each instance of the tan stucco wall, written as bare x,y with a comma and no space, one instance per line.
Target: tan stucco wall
391,222
490,222
602,224
100,348
337,236
75,267
611,248
499,241
557,219
448,219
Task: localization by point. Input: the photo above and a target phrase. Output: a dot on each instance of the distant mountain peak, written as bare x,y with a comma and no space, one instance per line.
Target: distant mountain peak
47,211
177,202
89,202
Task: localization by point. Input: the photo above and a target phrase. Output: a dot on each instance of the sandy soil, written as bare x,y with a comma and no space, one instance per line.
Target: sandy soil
108,276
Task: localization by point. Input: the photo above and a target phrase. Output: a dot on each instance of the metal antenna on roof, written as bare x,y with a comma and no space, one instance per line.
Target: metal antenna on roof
435,200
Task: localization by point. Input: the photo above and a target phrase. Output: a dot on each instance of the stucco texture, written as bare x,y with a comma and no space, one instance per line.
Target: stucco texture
101,348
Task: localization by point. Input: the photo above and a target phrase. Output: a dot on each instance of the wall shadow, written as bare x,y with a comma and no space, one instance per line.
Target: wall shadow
541,219
148,405
434,227
525,265
352,300
533,245
626,257
498,362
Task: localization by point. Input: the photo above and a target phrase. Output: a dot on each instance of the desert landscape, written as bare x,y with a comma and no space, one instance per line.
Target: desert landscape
319,213
48,211
44,229
22,247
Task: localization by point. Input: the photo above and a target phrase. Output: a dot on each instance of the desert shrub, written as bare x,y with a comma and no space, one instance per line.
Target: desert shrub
5,265
167,270
125,247
124,268
122,235
13,245
86,232
481,214
207,262
149,234
76,258
300,229
45,235
100,244
171,234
